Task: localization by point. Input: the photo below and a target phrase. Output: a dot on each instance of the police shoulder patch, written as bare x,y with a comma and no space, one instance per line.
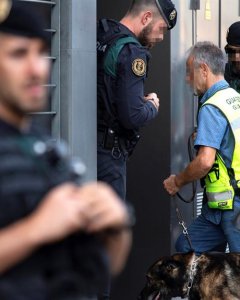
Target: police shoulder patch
139,67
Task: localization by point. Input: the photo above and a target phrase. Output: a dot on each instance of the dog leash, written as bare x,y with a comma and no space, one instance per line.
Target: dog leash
193,271
191,155
182,223
193,268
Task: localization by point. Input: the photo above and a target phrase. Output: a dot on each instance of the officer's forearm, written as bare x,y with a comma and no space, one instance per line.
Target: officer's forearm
17,242
192,172
198,168
118,245
137,116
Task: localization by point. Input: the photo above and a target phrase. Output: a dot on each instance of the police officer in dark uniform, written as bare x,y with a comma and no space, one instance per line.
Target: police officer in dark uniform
123,55
57,240
232,70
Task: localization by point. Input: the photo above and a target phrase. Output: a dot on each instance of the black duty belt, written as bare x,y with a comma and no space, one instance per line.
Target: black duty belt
110,140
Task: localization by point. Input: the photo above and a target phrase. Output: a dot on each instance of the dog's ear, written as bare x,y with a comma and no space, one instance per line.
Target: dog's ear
186,257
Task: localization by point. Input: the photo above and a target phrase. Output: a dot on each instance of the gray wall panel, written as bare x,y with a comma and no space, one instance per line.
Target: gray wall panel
182,109
84,108
55,76
78,79
227,19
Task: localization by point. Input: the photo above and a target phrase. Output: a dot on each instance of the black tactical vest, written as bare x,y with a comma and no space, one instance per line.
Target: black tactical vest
108,33
232,78
29,168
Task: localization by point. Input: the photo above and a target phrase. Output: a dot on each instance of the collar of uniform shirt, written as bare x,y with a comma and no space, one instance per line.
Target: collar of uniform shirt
220,85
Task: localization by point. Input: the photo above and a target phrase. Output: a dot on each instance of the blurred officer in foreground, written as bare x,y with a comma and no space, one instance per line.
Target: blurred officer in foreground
57,240
232,70
123,55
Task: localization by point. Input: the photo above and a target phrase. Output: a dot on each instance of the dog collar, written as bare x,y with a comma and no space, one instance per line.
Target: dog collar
193,271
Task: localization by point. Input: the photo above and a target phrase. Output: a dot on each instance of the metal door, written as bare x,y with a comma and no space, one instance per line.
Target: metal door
49,118
71,110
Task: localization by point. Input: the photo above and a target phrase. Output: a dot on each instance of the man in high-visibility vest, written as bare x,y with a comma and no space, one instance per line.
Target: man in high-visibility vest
218,160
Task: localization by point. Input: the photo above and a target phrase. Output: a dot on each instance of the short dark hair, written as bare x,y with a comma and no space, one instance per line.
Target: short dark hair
159,8
137,6
210,54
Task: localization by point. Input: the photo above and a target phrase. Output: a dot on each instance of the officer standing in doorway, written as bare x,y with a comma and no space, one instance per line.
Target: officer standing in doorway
123,55
57,239
232,70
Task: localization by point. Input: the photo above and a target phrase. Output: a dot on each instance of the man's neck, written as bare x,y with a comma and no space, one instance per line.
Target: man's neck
131,24
9,116
214,79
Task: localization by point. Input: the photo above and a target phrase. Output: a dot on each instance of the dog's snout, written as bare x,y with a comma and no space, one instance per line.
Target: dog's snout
148,277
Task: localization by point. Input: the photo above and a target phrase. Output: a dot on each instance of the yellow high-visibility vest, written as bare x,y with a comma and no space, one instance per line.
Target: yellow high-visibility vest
222,183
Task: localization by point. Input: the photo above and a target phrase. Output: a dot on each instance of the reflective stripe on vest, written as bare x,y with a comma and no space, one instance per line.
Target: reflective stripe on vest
220,200
220,192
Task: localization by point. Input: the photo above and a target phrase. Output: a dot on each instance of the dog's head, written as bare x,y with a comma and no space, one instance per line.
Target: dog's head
168,277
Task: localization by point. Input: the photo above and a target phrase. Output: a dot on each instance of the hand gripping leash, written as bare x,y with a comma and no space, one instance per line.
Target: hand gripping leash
191,155
181,222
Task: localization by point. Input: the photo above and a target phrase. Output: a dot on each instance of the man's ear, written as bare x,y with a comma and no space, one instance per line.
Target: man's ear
146,18
204,68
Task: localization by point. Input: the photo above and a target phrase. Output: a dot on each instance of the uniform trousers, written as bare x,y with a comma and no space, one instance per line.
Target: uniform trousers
112,170
211,229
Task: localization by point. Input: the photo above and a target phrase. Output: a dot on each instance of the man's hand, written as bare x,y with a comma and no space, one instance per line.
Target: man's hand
104,209
152,97
196,169
59,214
107,211
69,208
170,185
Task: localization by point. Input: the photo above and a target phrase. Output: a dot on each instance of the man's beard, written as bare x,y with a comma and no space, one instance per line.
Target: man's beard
143,37
235,68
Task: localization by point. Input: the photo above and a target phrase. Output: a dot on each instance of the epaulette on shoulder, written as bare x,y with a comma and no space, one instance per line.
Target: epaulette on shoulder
110,62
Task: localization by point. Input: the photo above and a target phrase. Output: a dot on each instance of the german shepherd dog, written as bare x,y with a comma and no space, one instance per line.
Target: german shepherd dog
211,276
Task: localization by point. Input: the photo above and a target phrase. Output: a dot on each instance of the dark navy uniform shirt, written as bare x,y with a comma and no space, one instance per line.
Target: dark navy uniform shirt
126,88
68,269
232,78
